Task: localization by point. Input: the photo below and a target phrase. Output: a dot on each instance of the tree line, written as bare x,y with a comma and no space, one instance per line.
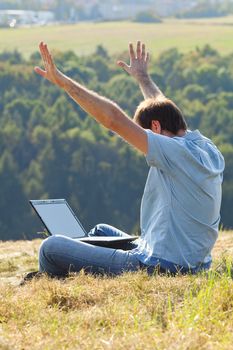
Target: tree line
207,9
50,148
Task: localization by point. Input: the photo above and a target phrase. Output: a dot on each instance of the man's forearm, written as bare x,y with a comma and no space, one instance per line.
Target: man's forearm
148,87
100,108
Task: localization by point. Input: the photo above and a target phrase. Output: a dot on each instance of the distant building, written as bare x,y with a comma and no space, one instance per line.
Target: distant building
13,18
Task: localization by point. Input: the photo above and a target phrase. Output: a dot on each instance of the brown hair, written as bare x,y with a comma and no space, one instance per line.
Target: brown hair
163,110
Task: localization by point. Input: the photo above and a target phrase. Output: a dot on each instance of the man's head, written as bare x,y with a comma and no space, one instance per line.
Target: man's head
161,115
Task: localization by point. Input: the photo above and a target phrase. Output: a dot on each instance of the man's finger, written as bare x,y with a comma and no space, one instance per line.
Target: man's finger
131,51
147,57
42,52
48,56
143,53
41,45
46,53
123,65
40,71
139,49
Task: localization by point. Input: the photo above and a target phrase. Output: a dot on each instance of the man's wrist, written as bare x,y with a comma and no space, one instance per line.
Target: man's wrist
142,77
63,82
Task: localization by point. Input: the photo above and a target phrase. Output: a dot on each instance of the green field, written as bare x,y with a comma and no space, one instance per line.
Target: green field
83,37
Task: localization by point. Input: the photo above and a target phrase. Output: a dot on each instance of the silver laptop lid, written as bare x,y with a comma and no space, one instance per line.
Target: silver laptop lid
58,217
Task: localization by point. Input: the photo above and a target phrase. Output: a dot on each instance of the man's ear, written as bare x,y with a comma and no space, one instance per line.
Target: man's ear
156,127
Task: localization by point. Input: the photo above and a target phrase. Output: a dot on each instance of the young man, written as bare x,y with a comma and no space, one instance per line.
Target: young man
180,208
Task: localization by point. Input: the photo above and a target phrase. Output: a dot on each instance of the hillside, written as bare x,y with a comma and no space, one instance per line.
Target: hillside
133,311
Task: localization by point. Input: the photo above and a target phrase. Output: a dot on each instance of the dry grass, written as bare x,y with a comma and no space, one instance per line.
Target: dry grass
17,258
132,311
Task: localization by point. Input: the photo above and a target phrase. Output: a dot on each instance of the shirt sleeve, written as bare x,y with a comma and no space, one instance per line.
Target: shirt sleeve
164,152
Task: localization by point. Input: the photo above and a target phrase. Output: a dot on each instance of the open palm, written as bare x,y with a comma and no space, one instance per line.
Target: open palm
50,71
138,61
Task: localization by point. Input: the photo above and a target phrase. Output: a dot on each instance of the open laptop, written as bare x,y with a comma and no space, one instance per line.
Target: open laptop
59,219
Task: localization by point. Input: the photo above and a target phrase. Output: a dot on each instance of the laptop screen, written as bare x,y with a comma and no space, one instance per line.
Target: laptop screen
58,217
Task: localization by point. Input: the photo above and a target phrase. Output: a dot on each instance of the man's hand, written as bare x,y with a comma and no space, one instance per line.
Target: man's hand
138,69
50,72
138,61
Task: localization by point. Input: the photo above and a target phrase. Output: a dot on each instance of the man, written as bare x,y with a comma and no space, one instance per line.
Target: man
180,209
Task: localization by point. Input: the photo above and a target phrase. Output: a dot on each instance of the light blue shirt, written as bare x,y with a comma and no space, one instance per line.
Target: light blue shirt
180,209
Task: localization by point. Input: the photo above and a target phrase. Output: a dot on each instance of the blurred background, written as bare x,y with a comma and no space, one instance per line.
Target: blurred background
21,12
50,148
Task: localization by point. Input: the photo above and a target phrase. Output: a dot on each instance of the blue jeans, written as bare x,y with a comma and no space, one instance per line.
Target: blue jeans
60,255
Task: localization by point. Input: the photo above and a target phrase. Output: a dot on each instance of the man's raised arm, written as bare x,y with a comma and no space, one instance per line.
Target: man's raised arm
138,69
103,110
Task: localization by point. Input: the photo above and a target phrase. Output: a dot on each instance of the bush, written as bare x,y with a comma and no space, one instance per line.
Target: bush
147,17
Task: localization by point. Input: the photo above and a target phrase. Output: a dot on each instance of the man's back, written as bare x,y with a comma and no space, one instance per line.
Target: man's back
180,209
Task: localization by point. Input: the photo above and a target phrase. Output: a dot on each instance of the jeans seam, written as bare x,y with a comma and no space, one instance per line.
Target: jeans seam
82,260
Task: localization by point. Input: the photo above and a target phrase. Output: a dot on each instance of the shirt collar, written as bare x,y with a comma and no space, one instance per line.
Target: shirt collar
193,135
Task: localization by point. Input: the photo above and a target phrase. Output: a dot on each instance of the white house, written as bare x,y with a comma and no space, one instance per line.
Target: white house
14,18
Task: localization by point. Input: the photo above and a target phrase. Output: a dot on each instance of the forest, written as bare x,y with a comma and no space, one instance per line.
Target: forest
50,148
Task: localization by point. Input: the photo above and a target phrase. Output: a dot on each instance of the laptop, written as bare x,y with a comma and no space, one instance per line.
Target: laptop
59,219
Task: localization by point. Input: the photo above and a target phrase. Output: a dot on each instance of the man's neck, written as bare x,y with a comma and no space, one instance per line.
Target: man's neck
180,133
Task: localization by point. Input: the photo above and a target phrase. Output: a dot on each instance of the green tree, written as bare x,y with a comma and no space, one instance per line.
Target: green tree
12,200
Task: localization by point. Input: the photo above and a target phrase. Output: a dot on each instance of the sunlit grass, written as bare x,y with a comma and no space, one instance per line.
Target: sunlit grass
83,38
133,311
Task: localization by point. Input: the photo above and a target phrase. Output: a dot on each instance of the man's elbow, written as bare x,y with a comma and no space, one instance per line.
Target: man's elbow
113,118
115,122
108,122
